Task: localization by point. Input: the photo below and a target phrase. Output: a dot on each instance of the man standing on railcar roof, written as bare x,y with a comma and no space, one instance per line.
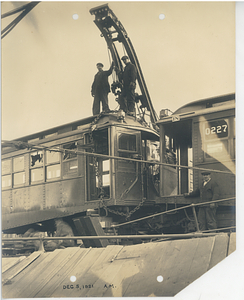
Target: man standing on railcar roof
100,89
128,77
209,191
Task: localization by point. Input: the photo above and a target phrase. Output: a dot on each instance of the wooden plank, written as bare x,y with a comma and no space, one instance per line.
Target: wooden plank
150,266
106,277
201,259
232,243
170,263
63,273
9,262
129,262
10,274
49,272
79,272
219,250
175,274
166,264
29,275
102,263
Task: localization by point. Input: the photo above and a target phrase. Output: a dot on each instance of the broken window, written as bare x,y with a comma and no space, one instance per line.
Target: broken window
36,164
71,151
70,161
36,159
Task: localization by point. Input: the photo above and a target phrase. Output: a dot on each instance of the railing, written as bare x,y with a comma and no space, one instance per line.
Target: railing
193,205
109,237
198,233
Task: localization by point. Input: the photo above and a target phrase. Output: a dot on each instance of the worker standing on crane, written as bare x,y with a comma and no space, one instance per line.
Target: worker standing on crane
100,89
128,77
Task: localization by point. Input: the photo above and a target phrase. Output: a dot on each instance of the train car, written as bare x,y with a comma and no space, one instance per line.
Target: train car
70,169
201,134
110,165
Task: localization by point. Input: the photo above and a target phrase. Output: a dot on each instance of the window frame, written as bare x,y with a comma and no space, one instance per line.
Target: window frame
17,172
51,164
66,161
9,173
38,167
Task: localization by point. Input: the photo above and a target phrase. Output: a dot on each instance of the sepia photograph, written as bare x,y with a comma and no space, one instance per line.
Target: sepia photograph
118,147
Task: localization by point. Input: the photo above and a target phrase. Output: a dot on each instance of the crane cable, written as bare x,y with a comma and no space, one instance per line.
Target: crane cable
114,75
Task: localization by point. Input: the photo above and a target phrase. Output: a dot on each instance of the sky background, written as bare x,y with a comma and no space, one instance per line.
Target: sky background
49,59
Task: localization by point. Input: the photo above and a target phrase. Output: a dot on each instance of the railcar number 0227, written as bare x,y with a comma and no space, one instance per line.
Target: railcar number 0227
218,129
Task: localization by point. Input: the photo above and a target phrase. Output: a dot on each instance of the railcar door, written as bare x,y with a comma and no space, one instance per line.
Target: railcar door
98,168
128,177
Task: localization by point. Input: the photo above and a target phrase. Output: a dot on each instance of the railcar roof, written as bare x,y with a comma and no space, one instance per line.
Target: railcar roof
104,120
203,106
205,103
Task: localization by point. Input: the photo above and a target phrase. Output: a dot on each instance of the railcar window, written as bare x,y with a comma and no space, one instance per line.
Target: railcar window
6,166
105,172
52,157
19,173
106,165
53,171
36,159
127,142
37,175
152,150
70,162
19,163
36,164
19,178
6,181
70,154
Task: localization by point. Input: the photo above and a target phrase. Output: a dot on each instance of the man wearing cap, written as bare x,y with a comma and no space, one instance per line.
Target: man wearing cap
209,191
128,76
100,89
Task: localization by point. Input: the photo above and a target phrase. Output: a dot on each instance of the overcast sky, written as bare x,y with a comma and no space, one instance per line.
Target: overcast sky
49,59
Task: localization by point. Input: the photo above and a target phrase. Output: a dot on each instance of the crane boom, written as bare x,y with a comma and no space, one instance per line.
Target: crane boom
113,31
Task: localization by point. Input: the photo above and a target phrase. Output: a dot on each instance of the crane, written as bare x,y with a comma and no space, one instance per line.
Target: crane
114,32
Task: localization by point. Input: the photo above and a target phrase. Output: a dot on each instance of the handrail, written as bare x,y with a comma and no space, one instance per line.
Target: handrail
145,236
172,210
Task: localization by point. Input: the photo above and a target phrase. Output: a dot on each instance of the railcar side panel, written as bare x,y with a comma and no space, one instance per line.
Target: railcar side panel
36,198
212,150
6,202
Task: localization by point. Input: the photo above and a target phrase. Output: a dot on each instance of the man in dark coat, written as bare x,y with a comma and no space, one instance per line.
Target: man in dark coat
208,191
128,77
100,89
